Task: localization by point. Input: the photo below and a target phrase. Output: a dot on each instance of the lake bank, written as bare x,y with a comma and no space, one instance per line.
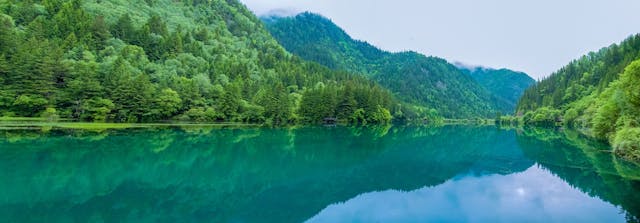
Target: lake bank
34,123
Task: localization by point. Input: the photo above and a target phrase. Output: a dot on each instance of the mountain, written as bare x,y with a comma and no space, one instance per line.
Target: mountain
505,84
155,60
589,74
598,93
428,81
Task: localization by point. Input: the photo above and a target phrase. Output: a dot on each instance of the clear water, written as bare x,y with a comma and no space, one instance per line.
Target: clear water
313,174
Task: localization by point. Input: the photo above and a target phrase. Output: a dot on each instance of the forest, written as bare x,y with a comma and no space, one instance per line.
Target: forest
163,60
598,94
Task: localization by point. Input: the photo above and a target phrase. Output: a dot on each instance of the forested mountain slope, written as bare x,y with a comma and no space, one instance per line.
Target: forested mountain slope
428,81
599,93
591,73
151,60
508,85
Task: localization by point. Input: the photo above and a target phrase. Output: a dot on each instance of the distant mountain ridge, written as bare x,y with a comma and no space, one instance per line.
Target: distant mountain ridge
506,84
428,81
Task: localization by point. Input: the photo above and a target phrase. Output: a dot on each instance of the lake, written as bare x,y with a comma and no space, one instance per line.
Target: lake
313,174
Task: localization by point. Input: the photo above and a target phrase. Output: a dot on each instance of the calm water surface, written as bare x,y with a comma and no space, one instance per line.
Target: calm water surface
313,174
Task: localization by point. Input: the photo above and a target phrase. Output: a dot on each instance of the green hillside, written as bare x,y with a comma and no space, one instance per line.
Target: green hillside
428,81
591,73
505,84
154,60
598,93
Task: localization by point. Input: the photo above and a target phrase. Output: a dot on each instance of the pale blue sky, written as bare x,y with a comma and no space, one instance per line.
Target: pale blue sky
537,37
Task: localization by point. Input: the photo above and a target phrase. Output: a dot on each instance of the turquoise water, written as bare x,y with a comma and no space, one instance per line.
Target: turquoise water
313,174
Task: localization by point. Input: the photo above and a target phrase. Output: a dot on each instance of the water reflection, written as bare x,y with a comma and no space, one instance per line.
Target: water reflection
534,195
586,165
271,175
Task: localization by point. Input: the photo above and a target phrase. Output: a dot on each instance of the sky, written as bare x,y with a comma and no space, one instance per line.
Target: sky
534,36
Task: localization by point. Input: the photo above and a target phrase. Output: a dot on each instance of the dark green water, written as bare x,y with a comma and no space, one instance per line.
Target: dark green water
315,174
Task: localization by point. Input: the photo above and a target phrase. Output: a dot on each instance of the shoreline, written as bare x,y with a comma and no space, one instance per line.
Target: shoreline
26,123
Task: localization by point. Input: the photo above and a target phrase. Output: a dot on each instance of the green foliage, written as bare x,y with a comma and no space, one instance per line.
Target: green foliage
571,115
603,122
143,61
545,116
251,113
167,103
426,82
97,109
381,115
201,115
50,114
627,143
542,117
359,116
29,105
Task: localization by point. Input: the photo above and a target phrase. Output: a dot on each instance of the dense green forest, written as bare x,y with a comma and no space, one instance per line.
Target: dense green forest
598,93
505,84
430,82
155,60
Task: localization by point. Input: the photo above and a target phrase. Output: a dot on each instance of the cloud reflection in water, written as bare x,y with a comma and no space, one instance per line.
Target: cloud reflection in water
534,195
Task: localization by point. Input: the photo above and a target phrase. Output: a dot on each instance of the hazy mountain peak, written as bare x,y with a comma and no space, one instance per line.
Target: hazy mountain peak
461,65
280,13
